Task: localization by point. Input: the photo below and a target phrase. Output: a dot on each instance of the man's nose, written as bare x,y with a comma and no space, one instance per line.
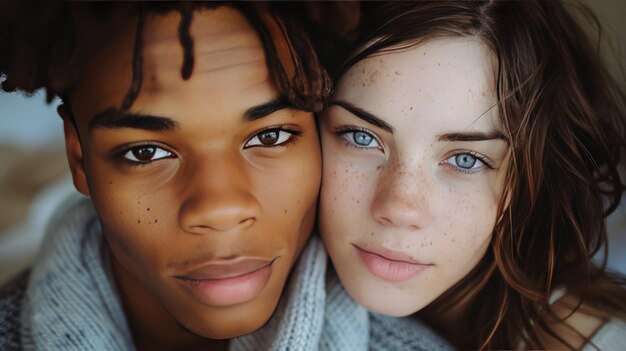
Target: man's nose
217,196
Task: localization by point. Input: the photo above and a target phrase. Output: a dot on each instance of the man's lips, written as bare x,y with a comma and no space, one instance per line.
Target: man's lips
390,265
228,282
221,269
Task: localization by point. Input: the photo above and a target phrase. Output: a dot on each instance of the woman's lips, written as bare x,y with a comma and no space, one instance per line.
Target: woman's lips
390,265
229,282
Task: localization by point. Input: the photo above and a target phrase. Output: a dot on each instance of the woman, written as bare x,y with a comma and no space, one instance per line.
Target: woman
470,158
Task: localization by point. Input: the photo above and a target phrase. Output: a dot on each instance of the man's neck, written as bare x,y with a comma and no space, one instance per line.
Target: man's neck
152,327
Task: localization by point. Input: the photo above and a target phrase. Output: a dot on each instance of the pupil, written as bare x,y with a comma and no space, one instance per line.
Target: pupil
362,138
144,153
268,138
465,161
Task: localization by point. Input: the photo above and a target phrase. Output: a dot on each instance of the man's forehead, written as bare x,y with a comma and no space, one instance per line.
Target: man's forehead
221,37
218,25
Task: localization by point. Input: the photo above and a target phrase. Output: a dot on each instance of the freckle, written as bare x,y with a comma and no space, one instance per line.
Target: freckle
139,221
438,63
285,211
397,73
372,234
430,244
110,182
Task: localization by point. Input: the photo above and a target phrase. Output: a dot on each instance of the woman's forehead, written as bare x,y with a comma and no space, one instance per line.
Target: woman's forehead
451,78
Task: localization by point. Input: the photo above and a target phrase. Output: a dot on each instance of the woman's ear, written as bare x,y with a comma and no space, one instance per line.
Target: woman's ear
74,151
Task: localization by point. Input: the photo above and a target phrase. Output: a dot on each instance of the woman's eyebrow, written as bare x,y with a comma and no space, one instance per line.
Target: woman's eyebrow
115,118
472,136
364,115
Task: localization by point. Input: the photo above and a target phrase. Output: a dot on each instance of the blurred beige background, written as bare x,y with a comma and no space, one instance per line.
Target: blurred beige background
34,177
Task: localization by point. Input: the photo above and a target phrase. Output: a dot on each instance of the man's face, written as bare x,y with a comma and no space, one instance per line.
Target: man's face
206,189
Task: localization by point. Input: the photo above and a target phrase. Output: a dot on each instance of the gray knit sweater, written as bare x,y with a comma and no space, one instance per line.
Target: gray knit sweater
68,301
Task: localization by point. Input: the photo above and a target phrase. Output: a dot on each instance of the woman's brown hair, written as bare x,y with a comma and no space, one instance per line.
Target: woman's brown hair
564,118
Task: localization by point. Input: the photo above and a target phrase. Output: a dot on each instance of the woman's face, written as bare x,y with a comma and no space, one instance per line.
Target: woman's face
413,172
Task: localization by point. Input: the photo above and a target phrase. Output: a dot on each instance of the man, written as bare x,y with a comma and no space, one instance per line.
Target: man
202,164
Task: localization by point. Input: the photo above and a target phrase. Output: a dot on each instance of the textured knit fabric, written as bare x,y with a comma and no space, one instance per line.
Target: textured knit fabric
11,298
71,303
389,333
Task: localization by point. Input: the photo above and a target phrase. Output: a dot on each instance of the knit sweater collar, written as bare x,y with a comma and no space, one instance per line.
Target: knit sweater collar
71,302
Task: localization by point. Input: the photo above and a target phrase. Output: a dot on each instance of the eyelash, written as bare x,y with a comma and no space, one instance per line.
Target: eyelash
344,131
128,151
125,153
479,157
293,135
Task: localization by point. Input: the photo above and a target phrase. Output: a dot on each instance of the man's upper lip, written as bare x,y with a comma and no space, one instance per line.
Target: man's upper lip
391,255
221,269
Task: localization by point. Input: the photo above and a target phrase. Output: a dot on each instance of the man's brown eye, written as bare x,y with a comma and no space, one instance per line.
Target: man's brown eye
144,153
272,137
268,138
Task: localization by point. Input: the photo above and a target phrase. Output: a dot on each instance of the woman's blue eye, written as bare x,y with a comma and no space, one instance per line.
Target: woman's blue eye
146,153
465,162
361,139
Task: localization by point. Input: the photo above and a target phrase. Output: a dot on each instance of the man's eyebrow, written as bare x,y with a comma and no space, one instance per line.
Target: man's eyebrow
364,115
472,136
115,118
266,109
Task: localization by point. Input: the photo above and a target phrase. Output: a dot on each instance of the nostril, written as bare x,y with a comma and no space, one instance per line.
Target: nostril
386,221
247,222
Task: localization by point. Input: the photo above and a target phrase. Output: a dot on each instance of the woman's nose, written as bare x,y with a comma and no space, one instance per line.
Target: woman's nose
401,199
